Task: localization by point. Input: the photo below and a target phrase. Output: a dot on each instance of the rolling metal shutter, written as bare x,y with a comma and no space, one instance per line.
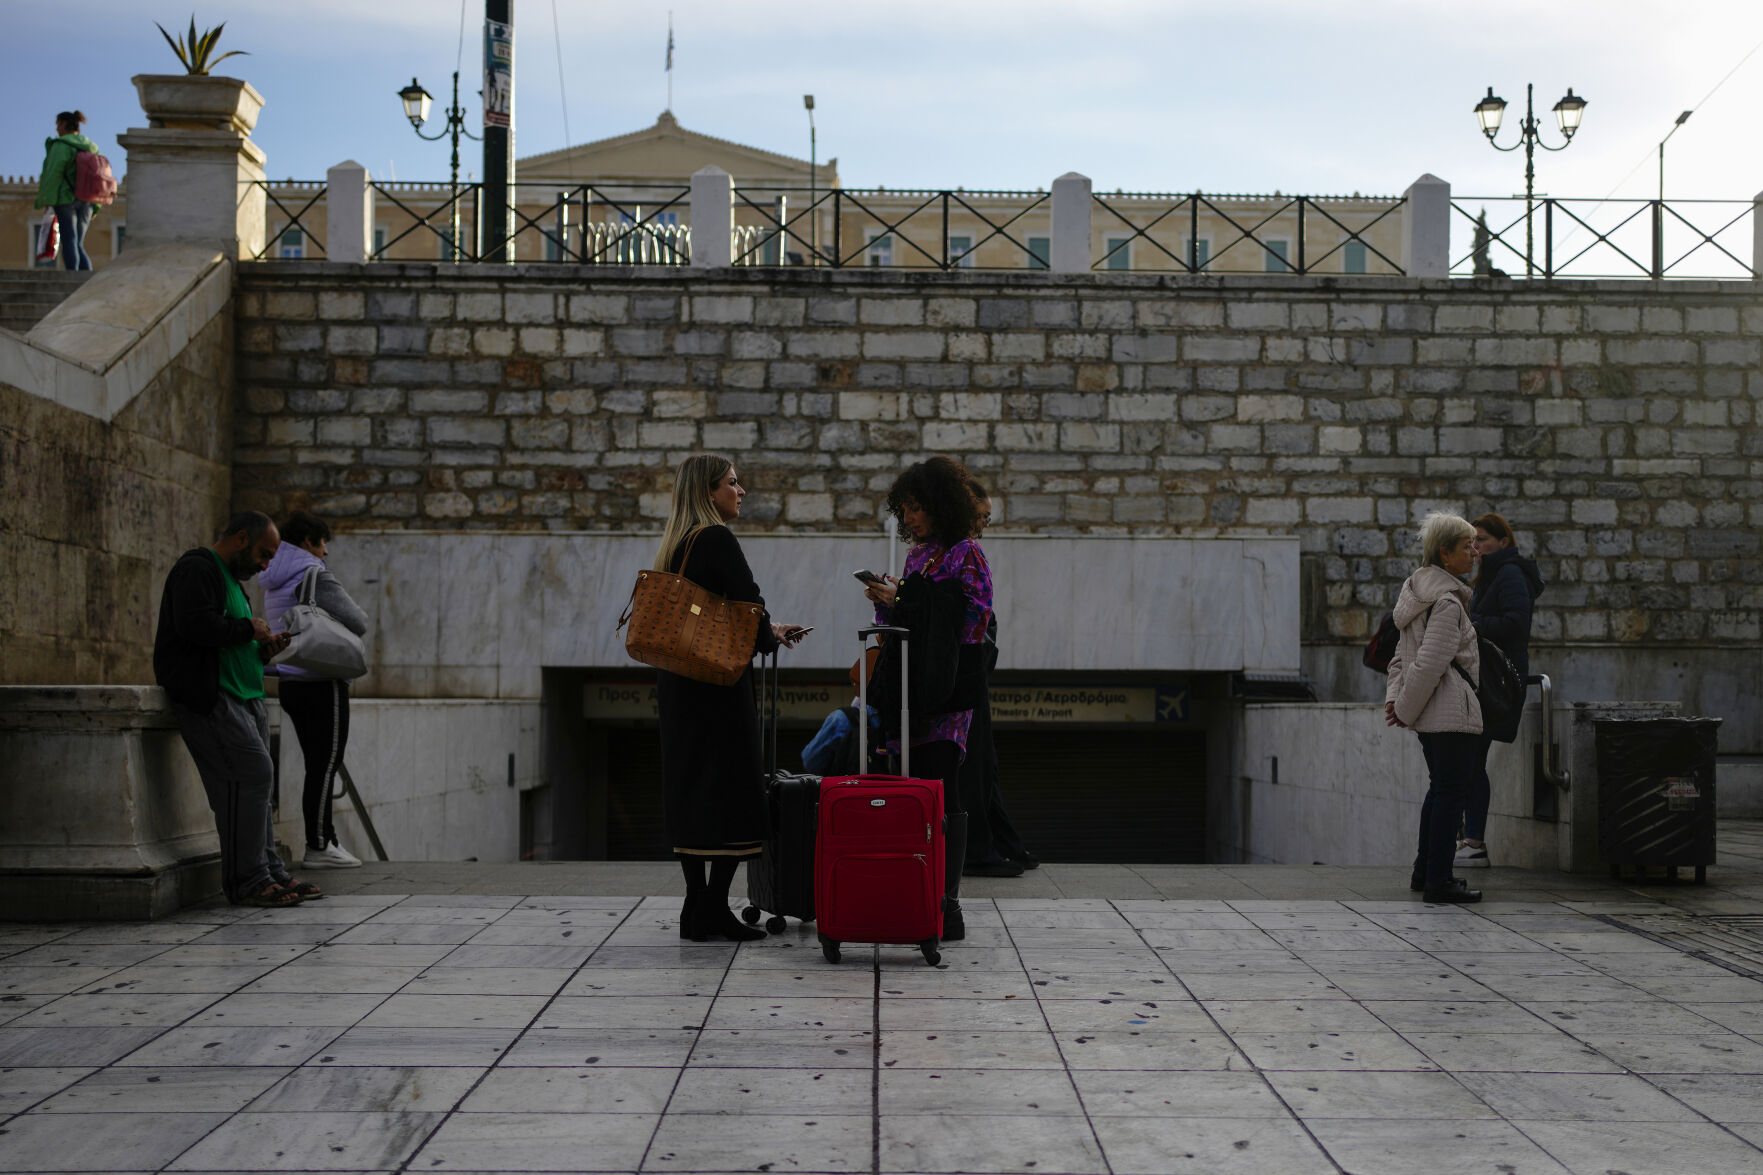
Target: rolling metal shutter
1119,796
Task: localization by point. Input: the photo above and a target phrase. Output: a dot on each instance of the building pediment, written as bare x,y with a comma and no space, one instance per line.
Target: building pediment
668,152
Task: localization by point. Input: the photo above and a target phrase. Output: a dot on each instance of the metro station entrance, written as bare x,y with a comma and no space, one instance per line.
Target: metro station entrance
1114,774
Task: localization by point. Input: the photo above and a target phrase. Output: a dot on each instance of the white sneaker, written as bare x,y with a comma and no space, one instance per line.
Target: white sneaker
1470,856
332,856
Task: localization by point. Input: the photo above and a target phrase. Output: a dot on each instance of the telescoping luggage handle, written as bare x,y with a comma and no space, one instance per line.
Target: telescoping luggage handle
863,635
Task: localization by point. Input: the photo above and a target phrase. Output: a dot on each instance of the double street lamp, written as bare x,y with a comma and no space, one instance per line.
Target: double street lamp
1568,112
416,108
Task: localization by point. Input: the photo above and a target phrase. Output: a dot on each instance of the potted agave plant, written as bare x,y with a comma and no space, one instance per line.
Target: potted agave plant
194,99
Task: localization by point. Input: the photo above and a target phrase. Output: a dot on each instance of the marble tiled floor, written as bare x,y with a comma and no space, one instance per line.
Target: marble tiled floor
476,1032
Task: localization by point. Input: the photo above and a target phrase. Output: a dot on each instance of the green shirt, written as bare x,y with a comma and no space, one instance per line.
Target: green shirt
241,670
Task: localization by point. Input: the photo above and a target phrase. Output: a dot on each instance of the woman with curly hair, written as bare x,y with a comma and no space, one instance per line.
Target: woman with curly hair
937,513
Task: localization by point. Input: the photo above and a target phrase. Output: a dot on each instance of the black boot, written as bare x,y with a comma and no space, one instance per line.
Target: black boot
690,917
715,919
954,854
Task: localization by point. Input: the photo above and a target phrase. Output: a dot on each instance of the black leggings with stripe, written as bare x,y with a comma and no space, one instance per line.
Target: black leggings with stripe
319,709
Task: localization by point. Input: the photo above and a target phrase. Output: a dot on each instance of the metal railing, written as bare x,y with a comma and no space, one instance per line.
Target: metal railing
304,193
1248,217
1586,238
915,235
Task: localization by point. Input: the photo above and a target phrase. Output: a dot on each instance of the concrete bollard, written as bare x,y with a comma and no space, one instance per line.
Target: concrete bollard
713,218
348,199
1072,233
1426,228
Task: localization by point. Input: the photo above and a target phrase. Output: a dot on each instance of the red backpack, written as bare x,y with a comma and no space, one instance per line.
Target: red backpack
92,181
1380,650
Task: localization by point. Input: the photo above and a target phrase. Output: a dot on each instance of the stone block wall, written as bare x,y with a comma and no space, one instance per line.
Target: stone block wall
96,512
1614,423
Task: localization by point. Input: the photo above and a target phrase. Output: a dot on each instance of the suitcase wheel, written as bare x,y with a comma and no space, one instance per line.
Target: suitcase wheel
829,948
776,924
750,914
932,956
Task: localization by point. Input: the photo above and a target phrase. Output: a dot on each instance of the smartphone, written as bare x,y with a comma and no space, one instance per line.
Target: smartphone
796,634
868,576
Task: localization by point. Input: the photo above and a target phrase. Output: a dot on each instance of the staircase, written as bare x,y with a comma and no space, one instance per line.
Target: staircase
26,295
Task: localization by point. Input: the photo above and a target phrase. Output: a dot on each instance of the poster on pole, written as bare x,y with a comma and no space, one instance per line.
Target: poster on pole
498,73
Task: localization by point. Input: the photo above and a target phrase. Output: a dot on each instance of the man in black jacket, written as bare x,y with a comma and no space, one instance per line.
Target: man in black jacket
208,654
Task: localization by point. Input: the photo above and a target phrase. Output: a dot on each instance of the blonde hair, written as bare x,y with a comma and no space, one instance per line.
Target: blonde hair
693,483
1440,533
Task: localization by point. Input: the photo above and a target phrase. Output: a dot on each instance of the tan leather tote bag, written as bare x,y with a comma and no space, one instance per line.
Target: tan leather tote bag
680,627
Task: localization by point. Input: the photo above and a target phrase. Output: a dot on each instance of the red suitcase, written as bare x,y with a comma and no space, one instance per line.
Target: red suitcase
878,861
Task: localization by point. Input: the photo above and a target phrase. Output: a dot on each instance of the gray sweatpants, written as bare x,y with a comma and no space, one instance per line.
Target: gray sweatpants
231,749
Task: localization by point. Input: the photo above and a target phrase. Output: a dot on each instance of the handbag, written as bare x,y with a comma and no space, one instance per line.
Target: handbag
321,644
689,630
48,237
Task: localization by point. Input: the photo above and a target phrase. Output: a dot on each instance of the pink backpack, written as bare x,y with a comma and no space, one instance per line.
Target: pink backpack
92,181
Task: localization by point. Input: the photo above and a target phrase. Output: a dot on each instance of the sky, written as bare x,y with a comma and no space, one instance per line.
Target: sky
1248,96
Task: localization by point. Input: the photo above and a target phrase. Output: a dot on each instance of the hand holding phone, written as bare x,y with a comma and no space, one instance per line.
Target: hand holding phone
869,576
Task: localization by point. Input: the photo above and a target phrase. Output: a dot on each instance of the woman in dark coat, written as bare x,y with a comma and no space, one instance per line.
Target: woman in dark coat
710,769
934,504
1506,588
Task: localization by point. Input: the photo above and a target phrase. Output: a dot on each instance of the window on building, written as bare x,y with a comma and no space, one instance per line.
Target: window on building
291,246
772,250
1117,252
961,251
1278,254
880,249
1040,252
445,237
379,239
1353,257
1198,251
118,234
554,248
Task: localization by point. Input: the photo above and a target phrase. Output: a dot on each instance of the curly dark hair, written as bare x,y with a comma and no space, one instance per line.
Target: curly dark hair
940,487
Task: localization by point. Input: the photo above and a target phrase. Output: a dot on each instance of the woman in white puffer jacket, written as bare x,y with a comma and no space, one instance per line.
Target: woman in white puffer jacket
1430,693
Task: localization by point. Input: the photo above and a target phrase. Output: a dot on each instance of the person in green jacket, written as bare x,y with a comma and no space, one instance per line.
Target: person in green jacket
56,187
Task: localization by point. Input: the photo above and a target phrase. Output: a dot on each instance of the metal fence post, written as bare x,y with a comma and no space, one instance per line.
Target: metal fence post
713,218
1426,228
1069,251
348,213
1757,237
1658,239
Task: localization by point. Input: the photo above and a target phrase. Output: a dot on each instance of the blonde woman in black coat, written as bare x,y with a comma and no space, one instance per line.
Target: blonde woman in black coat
710,755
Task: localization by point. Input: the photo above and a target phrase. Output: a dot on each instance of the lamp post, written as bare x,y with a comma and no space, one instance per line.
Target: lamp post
1568,112
813,212
416,108
1681,119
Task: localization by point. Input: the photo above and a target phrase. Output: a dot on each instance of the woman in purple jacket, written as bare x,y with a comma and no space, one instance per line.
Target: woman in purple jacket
317,706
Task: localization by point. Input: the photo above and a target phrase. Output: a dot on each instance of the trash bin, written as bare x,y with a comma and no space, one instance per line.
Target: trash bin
1656,793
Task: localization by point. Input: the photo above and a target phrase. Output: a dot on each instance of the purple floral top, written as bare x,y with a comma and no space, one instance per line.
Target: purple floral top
966,562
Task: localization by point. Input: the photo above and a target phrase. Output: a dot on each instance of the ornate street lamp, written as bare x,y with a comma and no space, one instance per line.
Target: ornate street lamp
1568,112
416,108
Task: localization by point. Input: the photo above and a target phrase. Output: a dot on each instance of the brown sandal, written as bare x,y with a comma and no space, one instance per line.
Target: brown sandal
272,896
307,891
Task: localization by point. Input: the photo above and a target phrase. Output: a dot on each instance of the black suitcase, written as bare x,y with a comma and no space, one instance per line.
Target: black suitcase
781,880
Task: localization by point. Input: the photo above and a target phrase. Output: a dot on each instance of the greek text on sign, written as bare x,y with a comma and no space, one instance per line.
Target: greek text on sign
1065,703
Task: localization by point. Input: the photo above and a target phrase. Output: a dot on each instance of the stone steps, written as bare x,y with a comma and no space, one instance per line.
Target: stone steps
27,295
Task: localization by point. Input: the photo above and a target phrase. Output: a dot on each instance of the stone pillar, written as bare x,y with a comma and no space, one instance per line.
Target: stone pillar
1072,234
191,170
1757,237
348,202
102,814
713,218
1426,228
